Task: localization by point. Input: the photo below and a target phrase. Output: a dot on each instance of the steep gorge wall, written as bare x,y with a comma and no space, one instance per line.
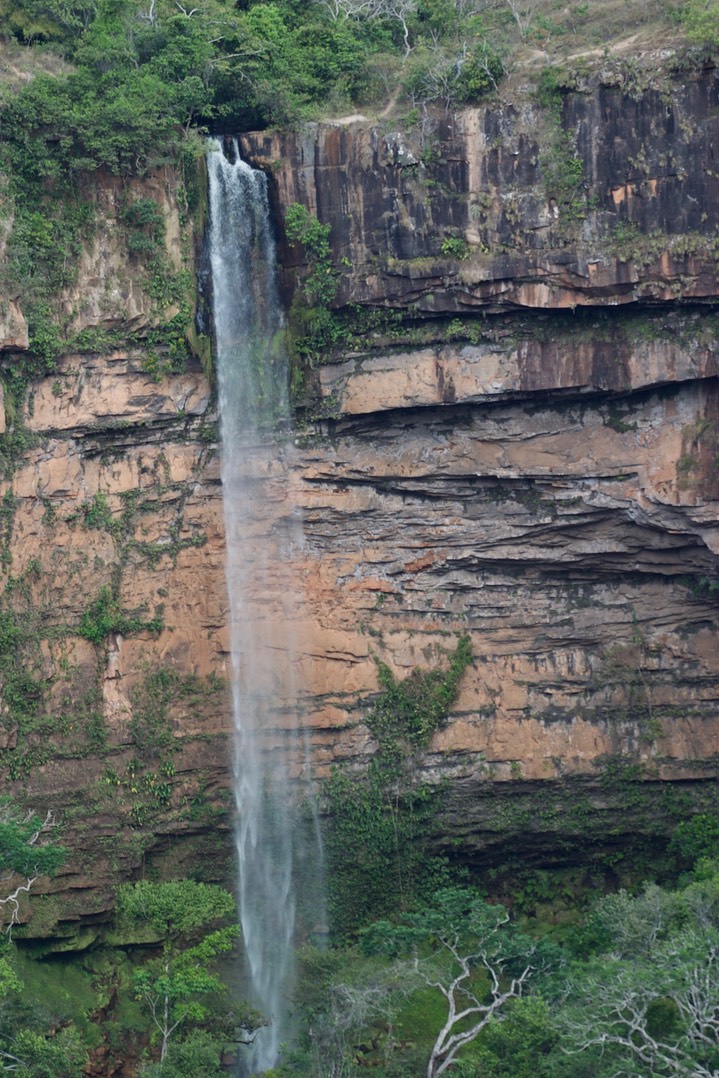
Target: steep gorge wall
523,446
493,447
113,607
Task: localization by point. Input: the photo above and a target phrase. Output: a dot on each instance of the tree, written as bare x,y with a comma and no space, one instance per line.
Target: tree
648,1006
468,951
523,13
457,77
400,11
653,1017
33,1054
194,1057
345,998
178,987
696,837
521,1045
701,22
25,851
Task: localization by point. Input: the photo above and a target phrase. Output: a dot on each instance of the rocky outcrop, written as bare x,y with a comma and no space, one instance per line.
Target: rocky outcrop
13,328
605,195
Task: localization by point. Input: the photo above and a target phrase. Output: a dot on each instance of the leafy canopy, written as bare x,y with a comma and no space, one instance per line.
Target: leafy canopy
175,909
24,850
179,988
146,72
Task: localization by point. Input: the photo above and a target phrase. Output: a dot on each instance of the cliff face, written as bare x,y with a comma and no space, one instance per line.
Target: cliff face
114,711
509,457
605,195
492,447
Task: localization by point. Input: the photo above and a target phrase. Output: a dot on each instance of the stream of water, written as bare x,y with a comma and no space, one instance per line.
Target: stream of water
270,753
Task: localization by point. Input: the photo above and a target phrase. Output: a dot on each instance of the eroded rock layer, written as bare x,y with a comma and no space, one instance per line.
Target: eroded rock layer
479,453
543,479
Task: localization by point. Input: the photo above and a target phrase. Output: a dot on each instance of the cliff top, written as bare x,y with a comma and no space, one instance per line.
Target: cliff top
269,64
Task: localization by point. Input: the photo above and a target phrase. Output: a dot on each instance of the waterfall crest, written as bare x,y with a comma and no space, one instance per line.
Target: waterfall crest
269,751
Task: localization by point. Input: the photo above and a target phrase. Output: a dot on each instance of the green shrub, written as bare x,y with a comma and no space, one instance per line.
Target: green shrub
455,247
700,19
696,838
105,615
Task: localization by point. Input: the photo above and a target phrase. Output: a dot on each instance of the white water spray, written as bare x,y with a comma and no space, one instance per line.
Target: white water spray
275,864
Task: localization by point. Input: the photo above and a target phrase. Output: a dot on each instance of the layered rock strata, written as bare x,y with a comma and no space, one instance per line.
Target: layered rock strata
480,454
541,476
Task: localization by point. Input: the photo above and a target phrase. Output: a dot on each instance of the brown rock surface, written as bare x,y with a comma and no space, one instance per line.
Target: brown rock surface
13,327
543,479
636,222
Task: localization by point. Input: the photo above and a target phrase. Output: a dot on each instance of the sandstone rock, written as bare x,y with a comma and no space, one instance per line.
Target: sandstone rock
13,328
92,392
542,480
639,226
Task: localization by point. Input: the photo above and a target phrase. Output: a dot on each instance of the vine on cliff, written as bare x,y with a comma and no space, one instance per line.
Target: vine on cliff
408,712
378,852
313,327
104,615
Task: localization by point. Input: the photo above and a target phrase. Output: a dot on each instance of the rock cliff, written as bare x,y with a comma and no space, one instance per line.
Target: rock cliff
522,445
114,708
513,434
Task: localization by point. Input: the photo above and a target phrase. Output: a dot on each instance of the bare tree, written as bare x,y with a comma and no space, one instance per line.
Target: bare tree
523,13
349,9
610,1005
466,934
350,1010
26,852
463,1003
398,10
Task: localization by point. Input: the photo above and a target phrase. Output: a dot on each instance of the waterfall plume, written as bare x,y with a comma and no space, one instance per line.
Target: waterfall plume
275,865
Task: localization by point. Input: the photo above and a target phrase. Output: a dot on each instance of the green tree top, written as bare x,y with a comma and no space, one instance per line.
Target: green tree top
175,909
179,987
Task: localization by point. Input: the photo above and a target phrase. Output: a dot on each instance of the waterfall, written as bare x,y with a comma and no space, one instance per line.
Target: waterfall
275,864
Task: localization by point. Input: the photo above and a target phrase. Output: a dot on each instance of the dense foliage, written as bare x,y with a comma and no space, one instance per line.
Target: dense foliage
628,990
143,72
177,989
165,1004
28,1047
135,76
701,22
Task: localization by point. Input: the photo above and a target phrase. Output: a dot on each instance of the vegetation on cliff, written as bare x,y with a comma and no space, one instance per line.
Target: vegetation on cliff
124,86
156,995
627,987
623,985
138,75
381,816
142,75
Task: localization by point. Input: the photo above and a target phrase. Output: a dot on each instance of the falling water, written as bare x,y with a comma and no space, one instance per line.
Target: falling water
252,380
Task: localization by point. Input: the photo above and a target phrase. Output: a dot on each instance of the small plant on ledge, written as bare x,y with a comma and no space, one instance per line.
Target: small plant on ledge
455,247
